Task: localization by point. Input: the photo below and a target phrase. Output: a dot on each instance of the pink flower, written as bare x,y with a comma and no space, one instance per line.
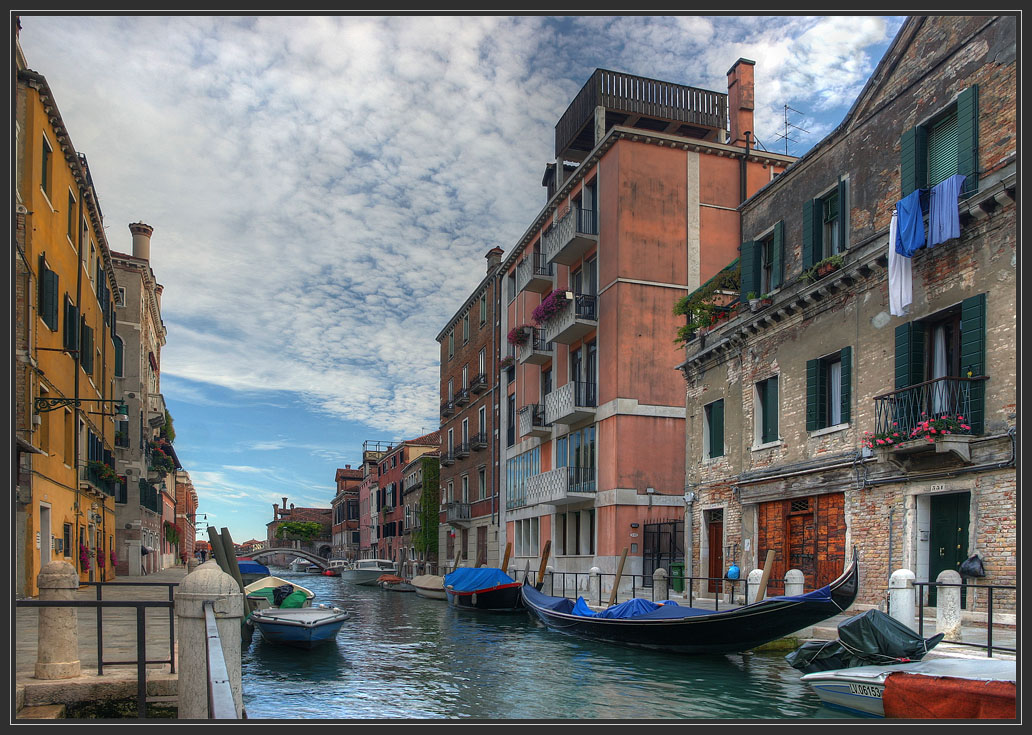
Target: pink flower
933,431
881,441
959,417
930,440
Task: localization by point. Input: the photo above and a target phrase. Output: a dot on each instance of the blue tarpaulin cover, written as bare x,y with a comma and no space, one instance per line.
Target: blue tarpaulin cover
252,567
467,579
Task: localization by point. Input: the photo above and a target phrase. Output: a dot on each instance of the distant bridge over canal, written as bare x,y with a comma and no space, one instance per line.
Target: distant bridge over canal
286,550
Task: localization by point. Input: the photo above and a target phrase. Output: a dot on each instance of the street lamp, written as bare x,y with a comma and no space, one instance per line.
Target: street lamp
46,403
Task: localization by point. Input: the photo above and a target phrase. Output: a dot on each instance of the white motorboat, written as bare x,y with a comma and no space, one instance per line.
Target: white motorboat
861,689
299,564
430,585
367,571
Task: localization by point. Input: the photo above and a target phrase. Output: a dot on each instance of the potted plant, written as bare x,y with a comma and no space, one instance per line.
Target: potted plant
506,362
114,558
824,267
518,336
84,557
104,471
551,305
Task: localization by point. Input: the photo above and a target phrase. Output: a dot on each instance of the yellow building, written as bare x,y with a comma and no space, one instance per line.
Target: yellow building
64,353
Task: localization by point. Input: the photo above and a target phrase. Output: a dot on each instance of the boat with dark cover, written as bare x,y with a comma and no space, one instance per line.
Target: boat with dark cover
484,588
671,627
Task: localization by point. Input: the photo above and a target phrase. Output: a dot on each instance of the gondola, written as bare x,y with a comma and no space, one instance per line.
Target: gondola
675,628
484,588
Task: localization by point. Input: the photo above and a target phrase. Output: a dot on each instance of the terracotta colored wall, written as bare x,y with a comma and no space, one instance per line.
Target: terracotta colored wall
639,452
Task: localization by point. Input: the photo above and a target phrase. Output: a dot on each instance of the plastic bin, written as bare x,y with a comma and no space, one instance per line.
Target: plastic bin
677,576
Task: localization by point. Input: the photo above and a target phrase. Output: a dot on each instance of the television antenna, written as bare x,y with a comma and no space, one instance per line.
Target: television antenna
790,125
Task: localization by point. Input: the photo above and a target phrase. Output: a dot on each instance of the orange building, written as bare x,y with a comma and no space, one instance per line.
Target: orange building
593,452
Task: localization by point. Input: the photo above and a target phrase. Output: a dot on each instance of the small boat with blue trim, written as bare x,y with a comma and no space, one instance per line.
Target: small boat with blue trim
304,627
676,628
483,588
251,570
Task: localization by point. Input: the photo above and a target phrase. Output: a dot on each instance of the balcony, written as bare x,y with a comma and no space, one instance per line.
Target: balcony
633,101
479,383
462,397
571,403
535,273
478,441
571,237
457,514
92,480
536,351
532,421
561,486
578,319
448,458
447,408
462,451
944,399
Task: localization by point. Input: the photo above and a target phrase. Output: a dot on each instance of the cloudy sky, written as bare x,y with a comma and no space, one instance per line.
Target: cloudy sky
323,191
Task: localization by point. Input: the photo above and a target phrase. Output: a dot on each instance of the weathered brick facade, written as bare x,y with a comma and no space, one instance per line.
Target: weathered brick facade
896,494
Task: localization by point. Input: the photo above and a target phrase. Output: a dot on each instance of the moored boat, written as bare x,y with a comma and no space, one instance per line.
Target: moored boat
672,627
299,564
303,627
484,588
251,571
367,571
430,586
394,583
939,688
262,593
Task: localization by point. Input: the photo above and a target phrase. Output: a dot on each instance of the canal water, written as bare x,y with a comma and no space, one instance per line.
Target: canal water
401,656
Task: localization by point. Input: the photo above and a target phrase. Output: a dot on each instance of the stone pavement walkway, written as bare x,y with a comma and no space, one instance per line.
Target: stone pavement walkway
119,629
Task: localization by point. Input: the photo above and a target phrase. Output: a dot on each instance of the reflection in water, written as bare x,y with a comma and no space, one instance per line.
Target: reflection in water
401,656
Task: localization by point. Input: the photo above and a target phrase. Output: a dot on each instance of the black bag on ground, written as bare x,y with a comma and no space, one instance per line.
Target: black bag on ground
972,567
281,593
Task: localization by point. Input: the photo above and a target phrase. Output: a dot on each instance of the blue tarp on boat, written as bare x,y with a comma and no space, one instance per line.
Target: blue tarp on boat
466,579
248,566
633,608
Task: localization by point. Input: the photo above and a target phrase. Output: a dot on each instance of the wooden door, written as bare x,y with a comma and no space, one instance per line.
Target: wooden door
715,533
948,540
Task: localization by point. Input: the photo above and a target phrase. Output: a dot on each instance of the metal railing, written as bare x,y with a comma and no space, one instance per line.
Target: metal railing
988,645
220,691
140,606
902,410
456,511
479,440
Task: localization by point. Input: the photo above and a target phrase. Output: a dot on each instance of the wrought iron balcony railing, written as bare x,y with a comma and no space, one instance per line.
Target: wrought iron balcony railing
462,451
479,383
447,408
478,441
902,410
462,397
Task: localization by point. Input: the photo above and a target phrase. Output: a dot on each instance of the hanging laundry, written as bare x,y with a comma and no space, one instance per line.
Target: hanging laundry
900,275
911,235
943,212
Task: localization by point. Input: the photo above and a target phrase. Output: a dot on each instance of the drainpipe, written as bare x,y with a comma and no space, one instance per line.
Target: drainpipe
743,180
78,362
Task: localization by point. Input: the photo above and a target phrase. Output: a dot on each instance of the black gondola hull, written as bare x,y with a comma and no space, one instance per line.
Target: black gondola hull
731,631
507,598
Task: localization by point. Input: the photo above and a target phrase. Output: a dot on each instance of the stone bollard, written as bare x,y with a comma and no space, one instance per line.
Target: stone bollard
192,564
753,585
902,597
207,583
659,585
794,581
57,653
947,605
548,581
594,582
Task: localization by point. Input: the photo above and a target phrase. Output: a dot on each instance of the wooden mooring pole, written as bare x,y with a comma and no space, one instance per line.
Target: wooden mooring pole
619,573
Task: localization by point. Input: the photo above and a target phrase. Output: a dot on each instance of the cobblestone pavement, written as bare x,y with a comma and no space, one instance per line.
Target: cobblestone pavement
119,625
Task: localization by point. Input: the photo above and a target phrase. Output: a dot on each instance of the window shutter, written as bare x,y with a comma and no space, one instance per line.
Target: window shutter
812,407
119,346
716,433
967,138
843,205
972,357
913,172
750,263
770,410
811,238
71,331
909,354
50,299
777,265
847,369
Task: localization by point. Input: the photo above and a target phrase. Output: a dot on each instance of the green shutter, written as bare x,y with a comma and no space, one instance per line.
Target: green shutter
909,354
50,299
913,172
972,356
847,369
813,368
716,432
778,258
71,330
967,138
843,205
942,149
812,213
118,356
750,264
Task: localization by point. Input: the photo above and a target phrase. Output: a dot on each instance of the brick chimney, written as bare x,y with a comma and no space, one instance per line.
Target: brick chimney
494,258
141,239
741,99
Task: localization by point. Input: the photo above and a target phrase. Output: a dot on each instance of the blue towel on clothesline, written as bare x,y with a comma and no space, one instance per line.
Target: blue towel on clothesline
910,234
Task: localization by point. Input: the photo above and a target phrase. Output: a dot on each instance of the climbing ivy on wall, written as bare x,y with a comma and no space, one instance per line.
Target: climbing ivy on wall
425,539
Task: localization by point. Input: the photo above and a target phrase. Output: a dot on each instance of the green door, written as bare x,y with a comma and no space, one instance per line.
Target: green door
948,541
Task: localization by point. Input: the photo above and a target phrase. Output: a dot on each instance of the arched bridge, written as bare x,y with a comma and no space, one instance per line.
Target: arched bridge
287,551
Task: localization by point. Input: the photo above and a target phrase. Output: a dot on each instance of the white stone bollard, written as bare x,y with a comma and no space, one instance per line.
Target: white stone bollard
659,585
947,605
902,597
57,652
548,581
207,583
794,582
192,564
594,582
753,582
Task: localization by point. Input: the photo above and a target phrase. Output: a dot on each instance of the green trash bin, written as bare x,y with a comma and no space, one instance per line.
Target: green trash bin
677,576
